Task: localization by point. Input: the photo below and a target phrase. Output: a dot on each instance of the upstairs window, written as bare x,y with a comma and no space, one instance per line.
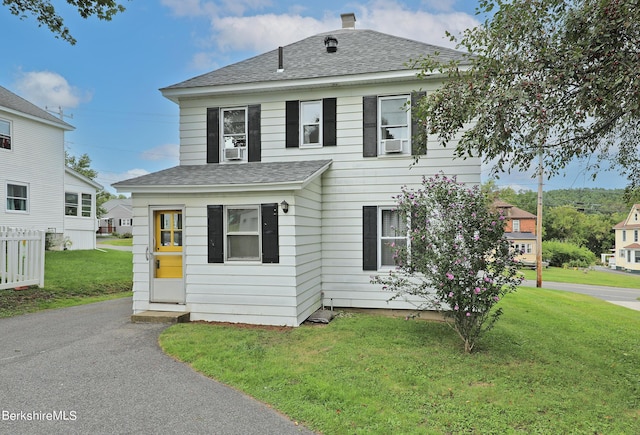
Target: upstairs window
311,123
17,197
394,124
516,225
234,134
5,135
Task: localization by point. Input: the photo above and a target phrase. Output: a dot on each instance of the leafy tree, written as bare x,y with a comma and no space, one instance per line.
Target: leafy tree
456,260
80,164
46,14
557,79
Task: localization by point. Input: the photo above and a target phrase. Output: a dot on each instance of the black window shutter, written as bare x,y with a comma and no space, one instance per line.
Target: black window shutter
292,121
416,147
213,135
329,122
215,234
370,126
270,247
369,237
254,134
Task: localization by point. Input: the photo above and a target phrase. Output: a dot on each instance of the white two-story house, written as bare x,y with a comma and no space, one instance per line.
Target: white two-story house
283,198
36,189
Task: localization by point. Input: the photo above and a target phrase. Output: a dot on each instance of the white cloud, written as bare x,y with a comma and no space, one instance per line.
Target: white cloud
46,88
261,33
232,31
163,152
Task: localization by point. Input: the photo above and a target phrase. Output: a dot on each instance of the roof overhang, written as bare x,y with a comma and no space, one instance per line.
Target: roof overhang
299,183
175,94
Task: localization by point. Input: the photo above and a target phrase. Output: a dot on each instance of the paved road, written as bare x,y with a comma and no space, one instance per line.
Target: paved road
626,297
90,365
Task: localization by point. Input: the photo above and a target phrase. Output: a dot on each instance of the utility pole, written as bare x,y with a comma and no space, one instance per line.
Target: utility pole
539,223
59,112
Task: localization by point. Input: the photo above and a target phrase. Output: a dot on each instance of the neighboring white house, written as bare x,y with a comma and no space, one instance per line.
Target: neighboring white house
627,235
283,199
33,174
118,217
80,222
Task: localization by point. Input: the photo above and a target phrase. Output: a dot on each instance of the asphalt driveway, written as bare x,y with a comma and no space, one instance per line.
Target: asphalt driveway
88,369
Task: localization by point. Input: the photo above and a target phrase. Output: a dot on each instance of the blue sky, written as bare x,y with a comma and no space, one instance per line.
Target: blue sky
108,82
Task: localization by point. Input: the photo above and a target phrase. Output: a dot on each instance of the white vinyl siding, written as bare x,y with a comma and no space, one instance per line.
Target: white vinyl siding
320,237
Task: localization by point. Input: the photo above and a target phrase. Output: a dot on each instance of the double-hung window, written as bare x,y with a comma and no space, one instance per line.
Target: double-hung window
394,122
243,233
311,124
86,205
70,204
384,231
17,197
393,236
516,225
5,135
233,125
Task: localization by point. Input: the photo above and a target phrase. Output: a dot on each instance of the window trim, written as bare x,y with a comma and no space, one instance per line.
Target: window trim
257,232
381,238
8,139
320,124
26,199
515,223
406,141
80,205
244,150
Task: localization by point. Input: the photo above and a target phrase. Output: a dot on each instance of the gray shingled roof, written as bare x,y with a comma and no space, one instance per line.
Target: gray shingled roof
212,175
14,102
359,52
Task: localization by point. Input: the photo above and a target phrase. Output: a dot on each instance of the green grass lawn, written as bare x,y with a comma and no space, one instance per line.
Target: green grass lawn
581,276
116,242
555,363
73,278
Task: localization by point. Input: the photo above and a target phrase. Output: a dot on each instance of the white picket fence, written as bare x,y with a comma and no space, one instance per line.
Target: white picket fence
21,257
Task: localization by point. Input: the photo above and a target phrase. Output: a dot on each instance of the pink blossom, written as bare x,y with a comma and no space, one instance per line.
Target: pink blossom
456,308
450,294
449,276
477,290
468,314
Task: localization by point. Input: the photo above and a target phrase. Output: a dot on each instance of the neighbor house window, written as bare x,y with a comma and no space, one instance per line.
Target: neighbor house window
311,123
125,222
73,208
234,134
624,235
635,235
516,225
394,121
86,205
5,134
17,197
70,204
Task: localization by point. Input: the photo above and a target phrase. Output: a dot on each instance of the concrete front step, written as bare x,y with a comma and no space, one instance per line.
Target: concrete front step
160,317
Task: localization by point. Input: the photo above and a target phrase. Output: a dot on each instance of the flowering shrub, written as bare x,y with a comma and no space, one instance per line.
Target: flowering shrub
456,259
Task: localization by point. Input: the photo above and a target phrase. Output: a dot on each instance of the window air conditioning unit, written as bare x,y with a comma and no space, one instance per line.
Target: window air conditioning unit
233,154
392,145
